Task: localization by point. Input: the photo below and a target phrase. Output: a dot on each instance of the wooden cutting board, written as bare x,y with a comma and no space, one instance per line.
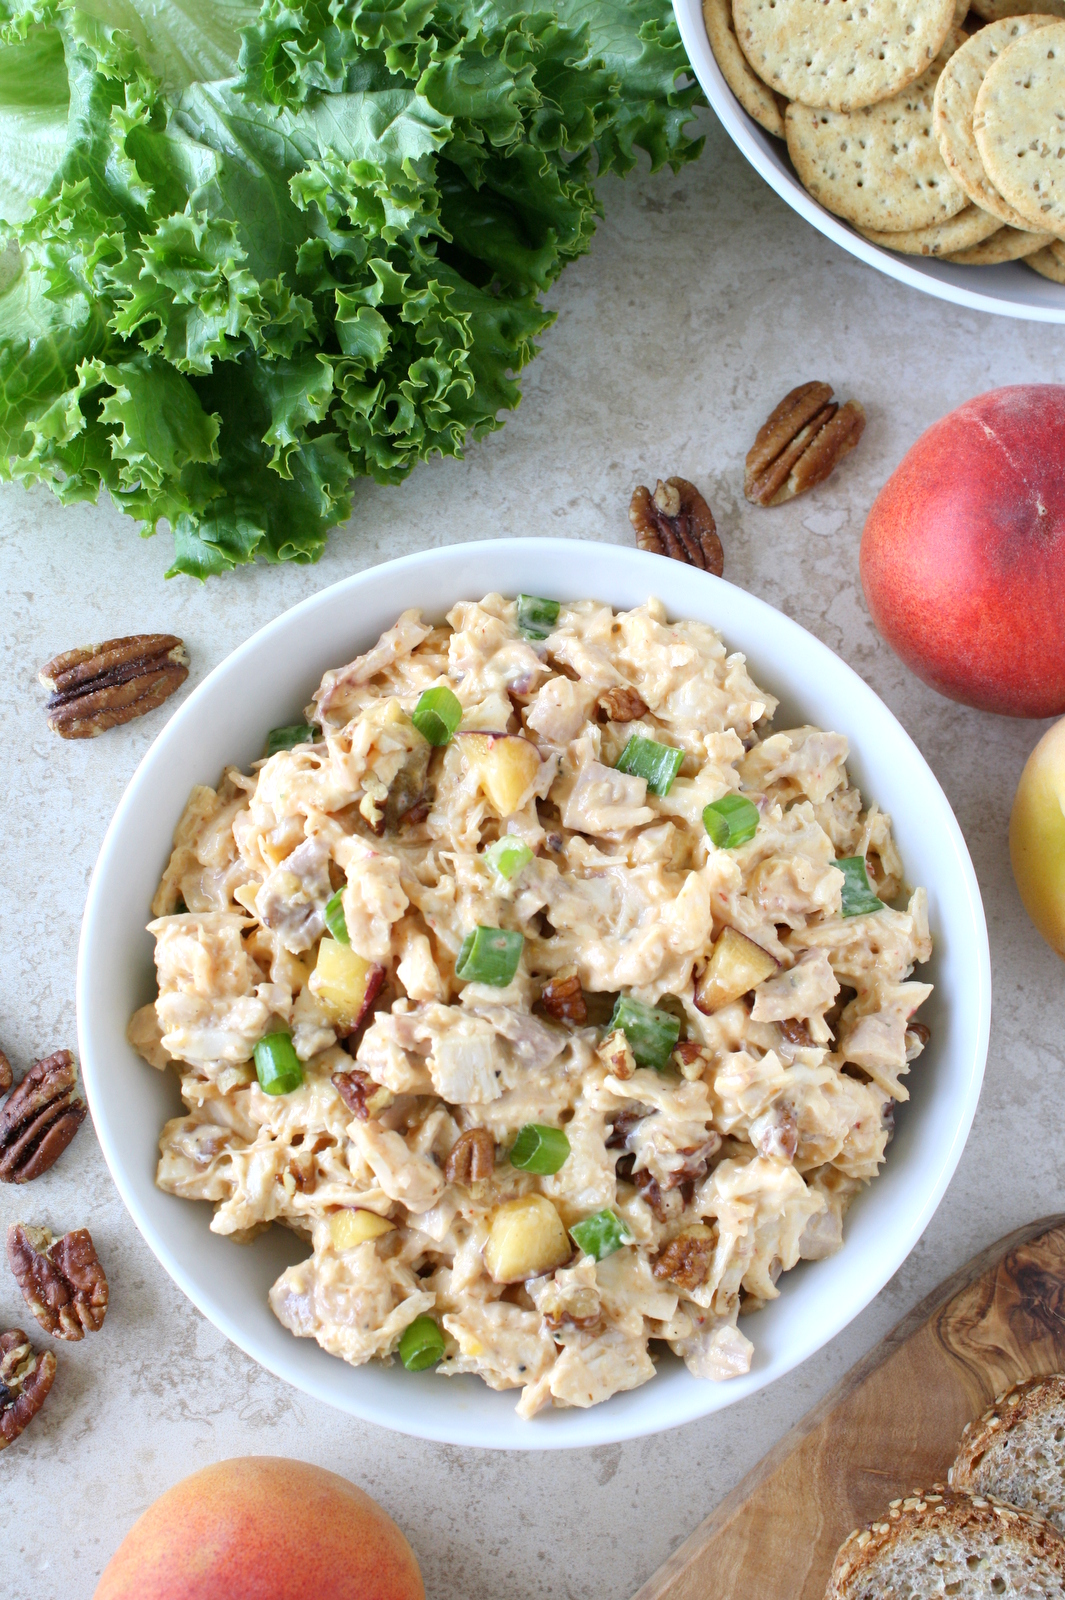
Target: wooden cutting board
891,1425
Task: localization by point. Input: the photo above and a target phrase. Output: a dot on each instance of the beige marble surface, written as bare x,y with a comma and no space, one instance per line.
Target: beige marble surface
702,301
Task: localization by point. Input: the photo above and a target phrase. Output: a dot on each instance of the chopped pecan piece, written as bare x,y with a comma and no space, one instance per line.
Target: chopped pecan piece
800,444
25,1379
690,1058
407,799
563,998
693,1167
5,1073
796,1032
623,1124
622,705
676,521
39,1119
917,1037
686,1260
663,1204
61,1280
472,1157
616,1053
775,1134
363,1097
100,686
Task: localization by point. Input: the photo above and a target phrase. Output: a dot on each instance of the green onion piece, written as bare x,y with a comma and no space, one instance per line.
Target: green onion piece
539,1149
436,716
508,856
858,897
730,821
658,763
600,1234
422,1345
277,1064
489,955
335,919
536,617
652,1034
285,738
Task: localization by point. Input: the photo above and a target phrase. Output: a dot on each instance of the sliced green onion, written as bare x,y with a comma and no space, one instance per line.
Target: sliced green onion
489,955
536,617
437,715
658,763
539,1149
508,856
422,1345
730,821
297,733
652,1034
600,1234
858,897
277,1064
335,920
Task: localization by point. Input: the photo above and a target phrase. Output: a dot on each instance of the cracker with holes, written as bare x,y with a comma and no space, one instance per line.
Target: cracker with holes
841,54
756,98
955,101
878,167
968,228
995,10
1019,123
1008,244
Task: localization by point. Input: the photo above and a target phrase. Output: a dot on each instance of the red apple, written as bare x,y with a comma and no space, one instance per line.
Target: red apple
963,553
263,1528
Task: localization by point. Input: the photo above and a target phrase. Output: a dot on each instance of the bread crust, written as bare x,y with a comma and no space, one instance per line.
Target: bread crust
863,1564
995,1454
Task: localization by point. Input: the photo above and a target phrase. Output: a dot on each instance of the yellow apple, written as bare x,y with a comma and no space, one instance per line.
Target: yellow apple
1037,836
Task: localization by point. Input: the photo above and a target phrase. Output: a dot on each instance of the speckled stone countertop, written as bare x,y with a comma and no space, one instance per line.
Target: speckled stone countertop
703,300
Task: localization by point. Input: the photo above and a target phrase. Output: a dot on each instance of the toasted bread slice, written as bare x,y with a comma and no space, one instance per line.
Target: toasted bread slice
944,1543
1016,1450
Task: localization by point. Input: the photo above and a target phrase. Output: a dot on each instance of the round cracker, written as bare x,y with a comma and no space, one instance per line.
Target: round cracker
969,227
1019,123
754,96
956,93
879,167
1008,244
1046,263
995,10
841,54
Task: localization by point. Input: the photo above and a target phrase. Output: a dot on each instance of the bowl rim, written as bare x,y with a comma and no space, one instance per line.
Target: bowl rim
559,1433
741,128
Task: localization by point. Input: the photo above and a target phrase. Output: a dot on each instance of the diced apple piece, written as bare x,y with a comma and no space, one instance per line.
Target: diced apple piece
506,767
736,965
349,1228
526,1239
346,984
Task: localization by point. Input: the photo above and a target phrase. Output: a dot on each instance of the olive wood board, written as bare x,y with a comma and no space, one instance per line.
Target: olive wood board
890,1426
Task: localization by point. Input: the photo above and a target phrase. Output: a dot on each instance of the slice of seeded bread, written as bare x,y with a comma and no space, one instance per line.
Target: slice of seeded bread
944,1543
1016,1450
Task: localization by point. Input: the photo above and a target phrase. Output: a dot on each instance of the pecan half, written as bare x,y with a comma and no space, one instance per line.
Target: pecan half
61,1280
686,1260
39,1119
25,1379
676,521
100,686
363,1097
563,998
800,444
5,1073
622,705
472,1157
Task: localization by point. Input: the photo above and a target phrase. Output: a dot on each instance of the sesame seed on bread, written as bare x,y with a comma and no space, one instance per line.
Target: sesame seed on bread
1016,1450
948,1543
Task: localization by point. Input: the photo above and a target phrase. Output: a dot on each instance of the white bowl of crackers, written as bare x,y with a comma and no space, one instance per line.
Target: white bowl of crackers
926,138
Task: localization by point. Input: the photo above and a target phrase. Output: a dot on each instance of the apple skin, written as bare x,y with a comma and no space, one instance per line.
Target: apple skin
263,1528
963,553
1037,837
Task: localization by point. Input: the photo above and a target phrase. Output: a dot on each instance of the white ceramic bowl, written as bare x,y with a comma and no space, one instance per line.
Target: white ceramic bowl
1012,290
266,682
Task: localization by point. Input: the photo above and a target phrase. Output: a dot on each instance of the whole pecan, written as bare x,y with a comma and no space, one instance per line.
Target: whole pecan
800,443
472,1157
61,1280
362,1096
563,997
5,1073
99,686
686,1260
39,1119
676,521
25,1379
622,705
